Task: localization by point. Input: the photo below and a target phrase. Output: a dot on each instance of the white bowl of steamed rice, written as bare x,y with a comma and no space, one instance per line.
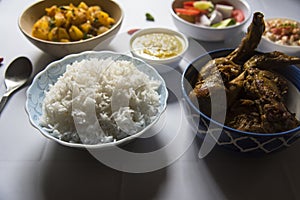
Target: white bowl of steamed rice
96,99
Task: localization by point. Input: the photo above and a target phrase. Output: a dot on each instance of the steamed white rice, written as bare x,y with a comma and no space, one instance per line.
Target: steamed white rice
99,101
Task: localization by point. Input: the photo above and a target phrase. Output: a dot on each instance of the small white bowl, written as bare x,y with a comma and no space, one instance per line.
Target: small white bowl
266,45
210,34
161,64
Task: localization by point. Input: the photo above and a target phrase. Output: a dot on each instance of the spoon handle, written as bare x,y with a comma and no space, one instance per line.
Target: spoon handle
3,102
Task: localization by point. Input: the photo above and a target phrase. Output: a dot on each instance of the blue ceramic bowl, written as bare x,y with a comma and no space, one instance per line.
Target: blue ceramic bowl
231,138
42,81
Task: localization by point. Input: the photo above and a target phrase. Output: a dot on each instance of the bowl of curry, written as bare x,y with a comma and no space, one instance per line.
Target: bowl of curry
243,99
161,47
62,27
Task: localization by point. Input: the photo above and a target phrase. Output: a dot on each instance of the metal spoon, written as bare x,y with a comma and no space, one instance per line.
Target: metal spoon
16,75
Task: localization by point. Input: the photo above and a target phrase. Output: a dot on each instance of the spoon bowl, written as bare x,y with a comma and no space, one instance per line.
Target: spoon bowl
16,75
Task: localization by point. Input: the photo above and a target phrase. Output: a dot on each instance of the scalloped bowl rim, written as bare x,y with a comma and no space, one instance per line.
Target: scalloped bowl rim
73,57
190,103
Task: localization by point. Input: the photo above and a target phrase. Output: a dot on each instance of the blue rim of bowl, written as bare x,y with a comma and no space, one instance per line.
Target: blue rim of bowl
212,28
186,96
100,145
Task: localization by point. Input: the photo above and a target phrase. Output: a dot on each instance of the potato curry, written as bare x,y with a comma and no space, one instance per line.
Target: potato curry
72,23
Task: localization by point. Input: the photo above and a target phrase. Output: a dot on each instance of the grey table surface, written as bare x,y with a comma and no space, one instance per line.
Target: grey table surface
35,168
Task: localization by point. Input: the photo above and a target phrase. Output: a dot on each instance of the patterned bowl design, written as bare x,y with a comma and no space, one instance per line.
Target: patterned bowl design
41,82
231,138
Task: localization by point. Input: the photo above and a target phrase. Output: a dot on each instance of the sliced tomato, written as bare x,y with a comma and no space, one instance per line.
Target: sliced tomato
276,31
189,7
238,15
187,11
193,8
188,3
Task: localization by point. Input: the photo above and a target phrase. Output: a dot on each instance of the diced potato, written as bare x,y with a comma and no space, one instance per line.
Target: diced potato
51,11
59,19
93,9
57,34
69,16
102,17
86,27
41,28
63,34
75,33
102,29
111,21
53,34
71,6
91,13
79,17
83,6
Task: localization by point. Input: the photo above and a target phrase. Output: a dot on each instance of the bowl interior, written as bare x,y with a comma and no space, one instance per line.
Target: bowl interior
37,10
189,78
182,38
238,4
41,82
268,45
